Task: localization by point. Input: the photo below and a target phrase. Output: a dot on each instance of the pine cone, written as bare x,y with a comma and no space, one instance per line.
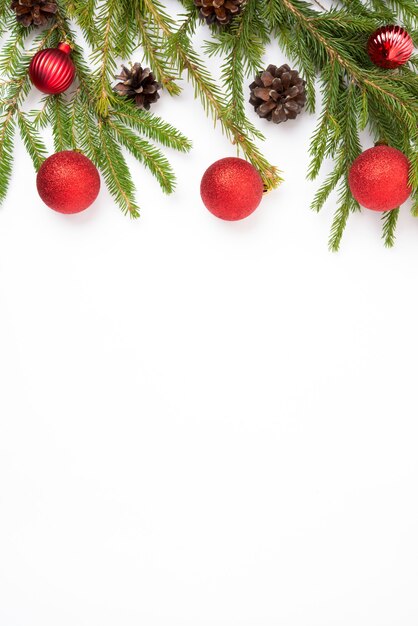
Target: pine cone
37,12
219,12
278,94
138,84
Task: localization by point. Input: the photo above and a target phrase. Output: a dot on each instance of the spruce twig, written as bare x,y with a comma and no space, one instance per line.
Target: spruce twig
389,221
356,94
180,49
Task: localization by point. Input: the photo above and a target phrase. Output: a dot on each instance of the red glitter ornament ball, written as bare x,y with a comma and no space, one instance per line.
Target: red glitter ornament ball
390,46
378,178
231,189
68,182
52,70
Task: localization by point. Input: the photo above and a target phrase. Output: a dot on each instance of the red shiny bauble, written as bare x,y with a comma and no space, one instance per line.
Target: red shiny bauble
390,46
68,182
52,70
231,188
378,178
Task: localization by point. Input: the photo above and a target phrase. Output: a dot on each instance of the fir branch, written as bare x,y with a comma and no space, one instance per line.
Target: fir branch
146,153
62,123
243,48
86,127
116,172
355,94
109,18
91,117
151,126
389,221
7,133
10,113
153,45
32,140
346,205
179,48
84,11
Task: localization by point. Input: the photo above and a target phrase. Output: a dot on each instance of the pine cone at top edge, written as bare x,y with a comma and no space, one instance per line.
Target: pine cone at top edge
278,94
138,84
37,12
219,12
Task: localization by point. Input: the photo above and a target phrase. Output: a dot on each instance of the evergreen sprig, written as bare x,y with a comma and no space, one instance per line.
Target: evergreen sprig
90,117
328,47
356,95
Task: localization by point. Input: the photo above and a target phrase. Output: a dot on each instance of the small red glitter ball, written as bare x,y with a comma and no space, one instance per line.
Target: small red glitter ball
52,70
378,178
68,182
231,189
390,46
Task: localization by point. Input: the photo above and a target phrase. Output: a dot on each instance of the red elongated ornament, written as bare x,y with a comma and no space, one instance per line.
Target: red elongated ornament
390,47
52,70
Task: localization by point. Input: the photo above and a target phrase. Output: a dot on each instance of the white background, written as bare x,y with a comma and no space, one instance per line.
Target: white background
206,423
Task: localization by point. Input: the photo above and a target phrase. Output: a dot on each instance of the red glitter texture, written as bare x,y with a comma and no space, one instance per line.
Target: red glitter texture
390,47
231,189
378,178
51,70
68,182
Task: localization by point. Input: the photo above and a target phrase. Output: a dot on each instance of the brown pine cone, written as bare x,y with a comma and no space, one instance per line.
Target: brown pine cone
219,12
138,84
278,94
37,12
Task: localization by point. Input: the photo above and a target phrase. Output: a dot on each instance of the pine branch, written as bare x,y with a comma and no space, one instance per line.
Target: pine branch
62,123
109,18
84,11
152,43
151,126
180,49
91,117
389,221
355,94
243,47
10,113
341,215
7,133
32,140
146,153
116,172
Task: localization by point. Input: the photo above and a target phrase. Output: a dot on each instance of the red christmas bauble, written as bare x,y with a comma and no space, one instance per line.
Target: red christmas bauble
68,182
231,188
390,46
378,178
52,70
